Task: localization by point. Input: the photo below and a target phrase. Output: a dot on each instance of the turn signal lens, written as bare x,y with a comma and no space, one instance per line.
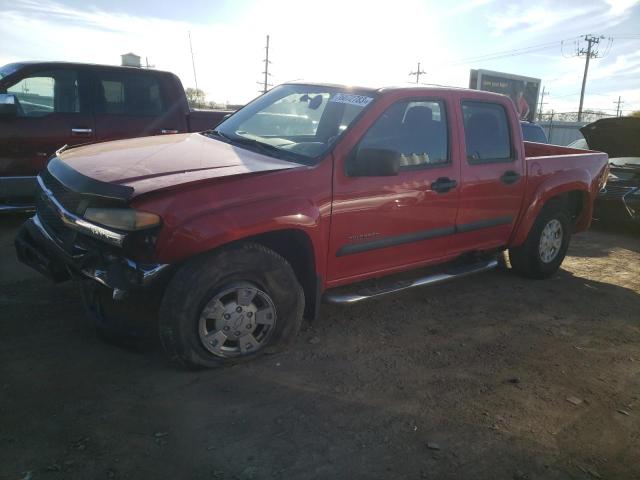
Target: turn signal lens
122,218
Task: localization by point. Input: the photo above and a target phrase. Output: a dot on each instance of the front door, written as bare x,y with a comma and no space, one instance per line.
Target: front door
52,111
385,223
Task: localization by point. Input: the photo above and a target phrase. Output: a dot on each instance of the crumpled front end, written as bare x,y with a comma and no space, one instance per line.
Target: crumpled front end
60,243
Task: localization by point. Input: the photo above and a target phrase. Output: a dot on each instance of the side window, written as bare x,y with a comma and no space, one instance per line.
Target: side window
417,130
486,132
128,94
43,93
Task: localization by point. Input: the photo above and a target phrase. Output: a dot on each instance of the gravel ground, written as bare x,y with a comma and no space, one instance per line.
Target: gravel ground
492,377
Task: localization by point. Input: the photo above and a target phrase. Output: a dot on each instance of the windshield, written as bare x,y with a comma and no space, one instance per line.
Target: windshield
533,133
295,122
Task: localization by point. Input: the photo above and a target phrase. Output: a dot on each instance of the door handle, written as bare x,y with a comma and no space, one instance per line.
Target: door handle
443,184
168,131
510,177
81,132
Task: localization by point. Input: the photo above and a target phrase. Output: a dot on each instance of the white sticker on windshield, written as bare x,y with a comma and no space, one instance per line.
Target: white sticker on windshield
359,100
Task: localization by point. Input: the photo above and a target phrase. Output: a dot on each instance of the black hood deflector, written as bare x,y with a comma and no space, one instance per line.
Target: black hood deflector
87,186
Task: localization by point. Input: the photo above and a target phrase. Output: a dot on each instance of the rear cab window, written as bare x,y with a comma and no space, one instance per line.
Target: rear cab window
125,93
486,132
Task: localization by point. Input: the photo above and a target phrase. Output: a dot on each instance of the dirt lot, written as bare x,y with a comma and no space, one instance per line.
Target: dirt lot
493,377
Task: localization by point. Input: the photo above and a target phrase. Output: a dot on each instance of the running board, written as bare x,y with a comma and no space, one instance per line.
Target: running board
17,208
434,279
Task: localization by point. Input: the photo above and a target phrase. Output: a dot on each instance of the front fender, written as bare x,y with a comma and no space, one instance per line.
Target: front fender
554,185
218,227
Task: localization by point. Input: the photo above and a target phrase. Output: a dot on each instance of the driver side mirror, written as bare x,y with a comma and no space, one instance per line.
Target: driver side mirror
8,105
373,162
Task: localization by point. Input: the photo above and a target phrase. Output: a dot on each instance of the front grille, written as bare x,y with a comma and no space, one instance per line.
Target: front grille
47,213
615,191
69,199
52,221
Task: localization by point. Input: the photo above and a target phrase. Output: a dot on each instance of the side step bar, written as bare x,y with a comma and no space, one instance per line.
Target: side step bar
367,293
17,208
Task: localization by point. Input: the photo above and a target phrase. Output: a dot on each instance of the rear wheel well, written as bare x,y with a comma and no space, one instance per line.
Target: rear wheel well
296,247
571,202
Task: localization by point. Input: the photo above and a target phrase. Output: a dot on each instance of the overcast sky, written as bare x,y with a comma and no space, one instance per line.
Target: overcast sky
355,42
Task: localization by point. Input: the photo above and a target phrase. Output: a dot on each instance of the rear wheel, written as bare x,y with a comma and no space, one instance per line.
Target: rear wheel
231,306
545,247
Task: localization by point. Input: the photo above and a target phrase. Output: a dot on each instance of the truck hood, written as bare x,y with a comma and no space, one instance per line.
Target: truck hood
617,137
153,163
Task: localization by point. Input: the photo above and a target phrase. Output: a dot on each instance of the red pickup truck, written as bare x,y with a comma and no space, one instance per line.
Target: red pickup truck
308,192
45,105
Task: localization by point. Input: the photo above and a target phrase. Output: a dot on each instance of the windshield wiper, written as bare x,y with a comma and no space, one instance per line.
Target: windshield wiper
265,147
254,144
216,133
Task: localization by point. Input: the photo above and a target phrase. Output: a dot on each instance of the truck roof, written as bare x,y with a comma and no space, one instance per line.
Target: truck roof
54,64
397,88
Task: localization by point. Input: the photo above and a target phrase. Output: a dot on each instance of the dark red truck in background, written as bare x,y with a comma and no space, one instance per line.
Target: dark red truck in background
46,105
305,193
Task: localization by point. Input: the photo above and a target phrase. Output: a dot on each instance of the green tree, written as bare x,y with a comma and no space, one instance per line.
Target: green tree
195,97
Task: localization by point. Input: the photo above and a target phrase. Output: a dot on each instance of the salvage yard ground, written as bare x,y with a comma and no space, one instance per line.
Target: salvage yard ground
491,377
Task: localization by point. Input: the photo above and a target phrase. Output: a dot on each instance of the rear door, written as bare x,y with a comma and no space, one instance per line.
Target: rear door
53,111
131,104
383,224
492,175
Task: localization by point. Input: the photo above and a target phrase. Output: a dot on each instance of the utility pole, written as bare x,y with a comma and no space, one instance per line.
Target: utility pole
266,84
618,109
417,73
193,62
550,133
590,52
542,102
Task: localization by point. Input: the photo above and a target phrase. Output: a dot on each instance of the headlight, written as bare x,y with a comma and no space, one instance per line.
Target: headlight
122,218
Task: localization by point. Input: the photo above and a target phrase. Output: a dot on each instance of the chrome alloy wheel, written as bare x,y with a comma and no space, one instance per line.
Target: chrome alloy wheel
237,321
550,241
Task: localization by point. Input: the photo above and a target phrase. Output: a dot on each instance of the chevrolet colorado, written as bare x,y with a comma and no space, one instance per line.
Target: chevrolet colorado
45,105
309,192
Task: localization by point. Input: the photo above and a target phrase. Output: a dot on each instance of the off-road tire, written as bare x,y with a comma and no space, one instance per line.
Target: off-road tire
195,283
526,259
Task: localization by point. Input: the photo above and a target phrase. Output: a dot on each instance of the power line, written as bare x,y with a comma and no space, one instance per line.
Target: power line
511,53
532,49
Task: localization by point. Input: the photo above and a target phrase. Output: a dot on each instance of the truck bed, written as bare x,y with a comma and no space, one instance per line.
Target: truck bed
201,120
533,149
553,167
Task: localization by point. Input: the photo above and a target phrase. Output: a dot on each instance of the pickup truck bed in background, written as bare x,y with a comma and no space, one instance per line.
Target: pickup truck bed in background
60,104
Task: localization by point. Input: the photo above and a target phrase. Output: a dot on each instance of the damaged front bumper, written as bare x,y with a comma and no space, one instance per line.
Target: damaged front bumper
39,249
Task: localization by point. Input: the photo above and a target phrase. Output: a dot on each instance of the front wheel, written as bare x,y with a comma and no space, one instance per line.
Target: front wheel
545,247
230,306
